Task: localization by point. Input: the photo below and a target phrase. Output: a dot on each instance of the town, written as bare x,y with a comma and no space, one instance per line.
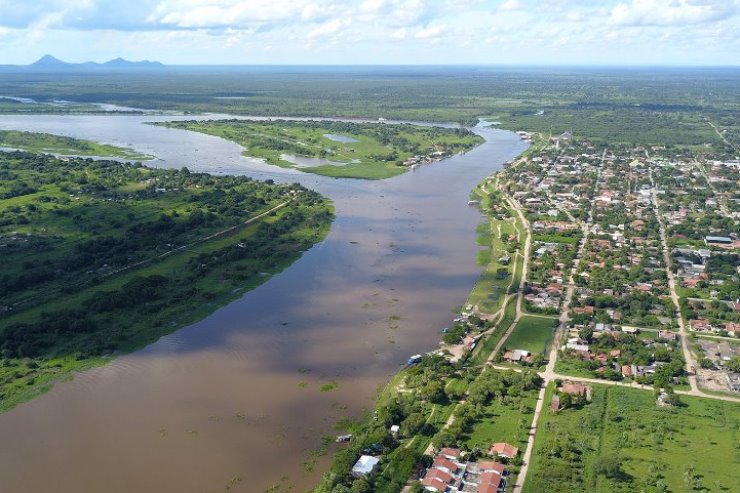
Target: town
612,280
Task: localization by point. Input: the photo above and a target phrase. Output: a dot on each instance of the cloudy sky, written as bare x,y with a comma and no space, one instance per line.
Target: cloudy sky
621,32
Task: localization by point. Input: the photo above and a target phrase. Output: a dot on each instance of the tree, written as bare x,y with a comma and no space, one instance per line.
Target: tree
360,486
733,364
433,392
609,466
413,424
586,333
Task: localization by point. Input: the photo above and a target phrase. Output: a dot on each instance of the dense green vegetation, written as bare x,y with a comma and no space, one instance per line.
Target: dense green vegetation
57,144
623,442
420,399
501,259
343,149
101,257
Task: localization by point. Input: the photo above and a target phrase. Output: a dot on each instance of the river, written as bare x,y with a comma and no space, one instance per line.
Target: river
236,399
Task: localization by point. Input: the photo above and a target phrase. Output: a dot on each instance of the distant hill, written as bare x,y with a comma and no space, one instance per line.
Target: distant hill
49,62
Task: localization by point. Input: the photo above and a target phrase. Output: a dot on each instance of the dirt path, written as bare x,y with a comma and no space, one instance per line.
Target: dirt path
549,374
683,334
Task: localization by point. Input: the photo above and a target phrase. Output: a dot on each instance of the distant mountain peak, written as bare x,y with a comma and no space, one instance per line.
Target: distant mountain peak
51,62
120,62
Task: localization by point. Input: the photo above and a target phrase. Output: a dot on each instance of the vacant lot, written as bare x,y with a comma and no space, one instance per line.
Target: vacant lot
623,442
533,334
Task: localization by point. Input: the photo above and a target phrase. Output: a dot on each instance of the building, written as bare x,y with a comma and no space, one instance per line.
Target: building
667,335
364,466
518,356
449,474
717,240
733,381
502,449
574,388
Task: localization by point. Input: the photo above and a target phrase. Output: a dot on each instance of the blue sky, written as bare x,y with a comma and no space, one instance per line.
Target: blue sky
605,32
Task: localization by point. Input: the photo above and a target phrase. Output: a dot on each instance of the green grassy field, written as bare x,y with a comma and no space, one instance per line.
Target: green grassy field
56,144
623,442
370,151
492,287
484,350
503,422
533,334
102,258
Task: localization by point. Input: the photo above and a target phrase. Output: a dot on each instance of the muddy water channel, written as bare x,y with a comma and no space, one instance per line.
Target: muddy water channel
242,398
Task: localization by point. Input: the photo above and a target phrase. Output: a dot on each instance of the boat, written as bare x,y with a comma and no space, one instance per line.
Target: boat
343,438
414,359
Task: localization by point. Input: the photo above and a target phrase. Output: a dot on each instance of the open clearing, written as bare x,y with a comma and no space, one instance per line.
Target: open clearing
657,449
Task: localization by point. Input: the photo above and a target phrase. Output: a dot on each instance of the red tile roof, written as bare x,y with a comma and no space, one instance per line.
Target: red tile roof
434,483
442,461
491,466
504,449
451,452
439,474
573,388
489,482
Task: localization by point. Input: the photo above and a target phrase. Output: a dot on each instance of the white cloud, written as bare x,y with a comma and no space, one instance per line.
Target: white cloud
392,31
510,5
671,12
400,34
431,32
373,6
327,29
200,13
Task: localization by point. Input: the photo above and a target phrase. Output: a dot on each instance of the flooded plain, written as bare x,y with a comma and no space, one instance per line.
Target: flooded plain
240,400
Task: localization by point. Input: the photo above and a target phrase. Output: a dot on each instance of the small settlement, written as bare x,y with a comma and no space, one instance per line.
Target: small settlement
452,473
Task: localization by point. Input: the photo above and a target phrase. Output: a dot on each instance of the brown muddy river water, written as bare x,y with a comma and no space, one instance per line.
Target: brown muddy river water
236,400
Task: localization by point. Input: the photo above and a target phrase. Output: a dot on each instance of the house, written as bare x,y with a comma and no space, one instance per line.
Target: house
574,388
717,240
492,466
434,484
444,464
504,450
518,356
490,482
576,345
438,475
448,475
700,324
585,310
364,466
666,335
555,403
626,371
732,327
733,381
451,453
601,327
